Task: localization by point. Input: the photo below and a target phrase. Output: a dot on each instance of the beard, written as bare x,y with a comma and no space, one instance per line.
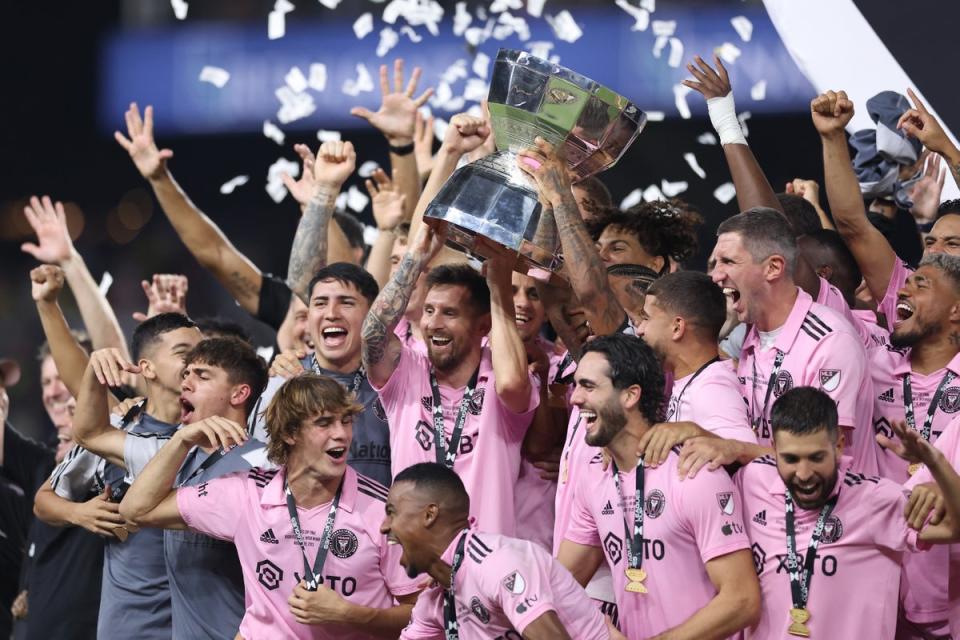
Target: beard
904,339
612,420
826,488
448,361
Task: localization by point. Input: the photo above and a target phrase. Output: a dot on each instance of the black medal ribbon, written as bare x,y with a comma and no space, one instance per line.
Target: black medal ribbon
447,456
800,581
451,627
358,376
313,576
676,416
756,421
634,538
908,409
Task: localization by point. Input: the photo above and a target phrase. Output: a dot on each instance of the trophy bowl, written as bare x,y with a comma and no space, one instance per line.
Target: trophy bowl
490,206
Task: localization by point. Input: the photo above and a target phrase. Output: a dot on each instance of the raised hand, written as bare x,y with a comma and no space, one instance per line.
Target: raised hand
49,222
287,364
831,112
165,294
465,134
428,243
215,431
709,83
809,190
150,161
109,365
387,200
926,191
46,282
922,125
396,118
489,144
545,164
911,446
423,145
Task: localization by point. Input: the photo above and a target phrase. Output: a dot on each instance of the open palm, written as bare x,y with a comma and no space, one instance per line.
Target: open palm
397,116
49,222
149,160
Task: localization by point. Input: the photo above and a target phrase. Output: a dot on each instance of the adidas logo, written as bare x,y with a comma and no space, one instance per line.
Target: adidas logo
761,518
607,510
886,396
268,537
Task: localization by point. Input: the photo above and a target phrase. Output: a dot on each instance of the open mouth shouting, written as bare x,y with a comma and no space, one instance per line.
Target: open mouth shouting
334,336
904,311
186,410
338,454
440,341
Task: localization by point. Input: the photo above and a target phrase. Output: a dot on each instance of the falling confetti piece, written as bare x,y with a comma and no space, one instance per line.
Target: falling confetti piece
273,132
652,193
664,27
318,76
680,92
743,26
388,40
707,138
276,26
214,75
728,52
565,27
105,282
640,16
655,116
725,192
481,64
673,189
363,25
759,91
367,168
692,161
362,83
535,7
676,53
296,80
357,200
633,198
179,9
324,135
229,186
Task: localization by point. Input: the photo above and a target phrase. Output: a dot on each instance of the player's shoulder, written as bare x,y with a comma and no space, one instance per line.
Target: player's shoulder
823,325
260,476
862,483
370,492
763,466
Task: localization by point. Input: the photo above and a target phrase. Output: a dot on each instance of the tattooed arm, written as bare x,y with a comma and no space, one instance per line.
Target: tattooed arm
584,268
381,348
556,298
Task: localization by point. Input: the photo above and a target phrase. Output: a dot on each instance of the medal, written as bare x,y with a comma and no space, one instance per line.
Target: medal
634,570
910,416
636,578
913,468
798,626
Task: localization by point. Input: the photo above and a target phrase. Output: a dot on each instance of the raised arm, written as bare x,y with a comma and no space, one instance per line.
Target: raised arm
809,190
381,348
48,220
46,282
91,421
922,125
166,293
508,355
831,112
582,263
335,162
396,120
388,212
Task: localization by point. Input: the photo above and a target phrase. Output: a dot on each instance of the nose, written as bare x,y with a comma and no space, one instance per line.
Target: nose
604,251
385,525
332,311
717,274
804,471
577,397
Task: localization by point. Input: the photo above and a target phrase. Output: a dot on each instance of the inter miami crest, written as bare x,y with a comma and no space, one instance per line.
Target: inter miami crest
343,543
832,529
783,383
653,507
950,400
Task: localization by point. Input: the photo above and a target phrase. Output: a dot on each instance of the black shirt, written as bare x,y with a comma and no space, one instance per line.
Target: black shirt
274,301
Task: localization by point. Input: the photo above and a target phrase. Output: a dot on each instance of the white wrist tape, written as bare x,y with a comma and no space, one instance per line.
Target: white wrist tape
723,117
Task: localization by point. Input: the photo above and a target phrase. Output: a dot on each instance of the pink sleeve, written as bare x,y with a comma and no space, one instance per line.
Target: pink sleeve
534,600
840,354
888,305
706,511
426,621
831,297
888,522
725,414
214,507
581,527
395,391
518,423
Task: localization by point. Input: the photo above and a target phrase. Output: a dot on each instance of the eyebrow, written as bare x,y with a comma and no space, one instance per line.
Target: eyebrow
182,345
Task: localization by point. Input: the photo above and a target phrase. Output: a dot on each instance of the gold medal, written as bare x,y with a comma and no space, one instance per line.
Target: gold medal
798,626
913,468
636,576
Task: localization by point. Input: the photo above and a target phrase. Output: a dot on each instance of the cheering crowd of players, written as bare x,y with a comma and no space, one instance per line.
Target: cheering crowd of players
439,450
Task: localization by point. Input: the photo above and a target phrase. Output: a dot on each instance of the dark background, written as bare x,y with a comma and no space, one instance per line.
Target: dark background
51,145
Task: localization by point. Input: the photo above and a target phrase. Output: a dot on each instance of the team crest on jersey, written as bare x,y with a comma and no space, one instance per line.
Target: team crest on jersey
476,402
614,547
343,543
950,400
655,504
829,379
514,583
479,610
783,383
832,529
725,500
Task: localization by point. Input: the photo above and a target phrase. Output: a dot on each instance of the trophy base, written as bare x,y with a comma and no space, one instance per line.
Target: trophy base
491,209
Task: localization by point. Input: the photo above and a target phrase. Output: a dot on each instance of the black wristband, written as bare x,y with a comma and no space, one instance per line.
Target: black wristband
405,150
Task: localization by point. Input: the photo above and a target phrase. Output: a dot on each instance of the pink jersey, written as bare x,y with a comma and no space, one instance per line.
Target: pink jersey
830,297
820,350
488,460
712,399
250,509
879,335
853,592
898,278
687,523
404,331
502,586
573,460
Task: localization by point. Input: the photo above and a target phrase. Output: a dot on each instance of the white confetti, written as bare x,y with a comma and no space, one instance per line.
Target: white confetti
540,49
673,189
728,52
357,200
215,76
179,9
725,192
634,197
276,26
641,17
500,6
283,6
742,119
456,71
330,4
273,132
676,53
664,27
323,135
692,161
759,91
508,25
105,283
276,191
659,44
417,13
318,76
296,80
743,26
680,92
476,90
275,188
655,116
535,7
565,27
370,234
407,30
230,185
363,25
461,19
707,138
440,127
388,40
481,64
649,5
367,168
362,83
294,105
652,193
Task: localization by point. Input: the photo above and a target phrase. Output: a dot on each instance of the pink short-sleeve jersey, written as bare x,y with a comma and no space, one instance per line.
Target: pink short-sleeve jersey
488,460
856,576
686,524
898,278
820,350
250,509
404,331
830,297
712,399
502,586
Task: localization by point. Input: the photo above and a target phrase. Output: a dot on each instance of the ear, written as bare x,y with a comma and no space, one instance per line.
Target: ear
430,514
146,369
657,263
631,396
954,313
678,329
483,327
841,440
239,394
776,267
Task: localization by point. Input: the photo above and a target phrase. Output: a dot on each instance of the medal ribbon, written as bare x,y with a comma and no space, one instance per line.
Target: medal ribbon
931,410
312,577
634,539
756,421
451,627
446,456
676,416
800,581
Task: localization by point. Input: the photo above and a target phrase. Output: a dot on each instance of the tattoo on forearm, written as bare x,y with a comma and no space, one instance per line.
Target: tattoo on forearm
243,285
386,310
546,235
309,252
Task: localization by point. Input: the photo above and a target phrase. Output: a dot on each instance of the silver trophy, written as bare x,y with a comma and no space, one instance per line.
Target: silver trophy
491,206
